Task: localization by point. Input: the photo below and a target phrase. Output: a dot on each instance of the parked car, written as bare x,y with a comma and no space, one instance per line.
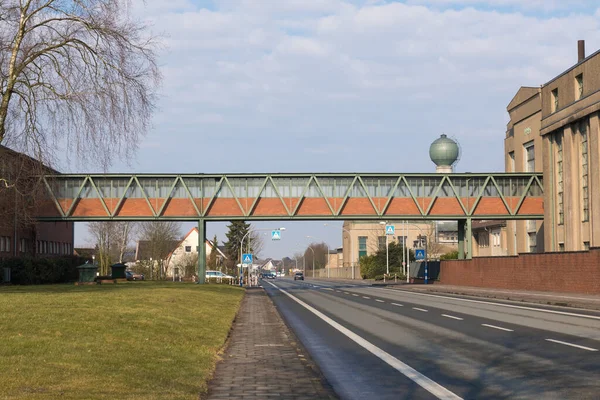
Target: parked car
299,276
217,274
133,276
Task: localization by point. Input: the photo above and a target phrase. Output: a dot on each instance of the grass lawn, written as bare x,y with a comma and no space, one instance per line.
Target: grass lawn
135,340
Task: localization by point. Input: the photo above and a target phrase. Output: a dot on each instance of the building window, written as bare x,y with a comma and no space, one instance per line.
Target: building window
559,179
578,86
511,161
529,157
381,242
532,242
561,247
362,246
483,239
585,203
402,240
554,95
586,245
496,238
2,245
188,249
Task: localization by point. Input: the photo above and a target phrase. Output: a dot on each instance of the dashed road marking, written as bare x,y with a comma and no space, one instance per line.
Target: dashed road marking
420,309
572,345
366,297
354,294
381,301
399,305
497,327
426,383
452,316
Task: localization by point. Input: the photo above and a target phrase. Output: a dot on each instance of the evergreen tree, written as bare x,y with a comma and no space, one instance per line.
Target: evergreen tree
237,230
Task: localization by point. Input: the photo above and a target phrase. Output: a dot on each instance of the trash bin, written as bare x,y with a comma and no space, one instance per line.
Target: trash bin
118,271
87,272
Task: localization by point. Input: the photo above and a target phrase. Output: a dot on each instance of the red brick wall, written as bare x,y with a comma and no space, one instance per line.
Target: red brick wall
573,272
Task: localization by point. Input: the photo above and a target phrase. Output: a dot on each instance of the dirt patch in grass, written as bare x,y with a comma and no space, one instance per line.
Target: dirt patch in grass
139,340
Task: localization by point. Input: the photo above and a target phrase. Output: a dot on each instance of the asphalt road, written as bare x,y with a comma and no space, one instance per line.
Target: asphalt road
379,343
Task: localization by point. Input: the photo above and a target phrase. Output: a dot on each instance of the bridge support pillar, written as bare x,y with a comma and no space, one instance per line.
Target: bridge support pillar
465,241
201,251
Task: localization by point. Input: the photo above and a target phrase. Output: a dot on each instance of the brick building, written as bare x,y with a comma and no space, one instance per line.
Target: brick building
19,235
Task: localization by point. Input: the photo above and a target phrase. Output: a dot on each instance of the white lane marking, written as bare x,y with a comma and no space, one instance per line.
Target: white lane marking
452,316
346,293
399,305
572,345
431,386
365,297
354,294
497,327
339,291
496,304
420,309
381,301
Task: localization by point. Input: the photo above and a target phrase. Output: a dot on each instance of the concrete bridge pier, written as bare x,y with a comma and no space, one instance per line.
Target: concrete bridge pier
465,242
201,251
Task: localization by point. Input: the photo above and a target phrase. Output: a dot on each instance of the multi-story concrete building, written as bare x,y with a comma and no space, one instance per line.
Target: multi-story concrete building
523,153
570,125
554,129
362,238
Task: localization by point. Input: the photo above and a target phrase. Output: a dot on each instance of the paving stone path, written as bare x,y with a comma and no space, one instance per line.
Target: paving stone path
264,359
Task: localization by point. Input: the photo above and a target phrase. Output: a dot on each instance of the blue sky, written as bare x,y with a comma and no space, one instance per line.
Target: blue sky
345,86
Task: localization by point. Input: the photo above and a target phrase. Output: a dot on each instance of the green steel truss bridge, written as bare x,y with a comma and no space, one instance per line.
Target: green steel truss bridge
252,197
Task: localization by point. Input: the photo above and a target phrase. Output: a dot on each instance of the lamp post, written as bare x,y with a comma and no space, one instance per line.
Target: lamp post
326,257
242,249
387,253
313,263
351,252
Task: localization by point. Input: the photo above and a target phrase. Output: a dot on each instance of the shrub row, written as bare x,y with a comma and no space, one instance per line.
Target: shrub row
35,271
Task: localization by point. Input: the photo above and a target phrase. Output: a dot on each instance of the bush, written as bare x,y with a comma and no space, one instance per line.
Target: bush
453,255
35,271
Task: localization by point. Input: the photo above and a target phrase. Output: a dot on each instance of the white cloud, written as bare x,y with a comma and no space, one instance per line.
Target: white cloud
374,78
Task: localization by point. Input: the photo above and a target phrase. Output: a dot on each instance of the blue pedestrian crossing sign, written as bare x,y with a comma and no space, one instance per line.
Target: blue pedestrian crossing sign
276,234
247,258
390,230
419,254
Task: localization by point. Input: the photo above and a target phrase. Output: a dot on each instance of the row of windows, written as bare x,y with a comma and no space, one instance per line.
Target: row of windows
42,246
296,187
57,248
555,105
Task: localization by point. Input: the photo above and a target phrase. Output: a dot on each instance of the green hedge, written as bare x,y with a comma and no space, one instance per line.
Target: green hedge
35,271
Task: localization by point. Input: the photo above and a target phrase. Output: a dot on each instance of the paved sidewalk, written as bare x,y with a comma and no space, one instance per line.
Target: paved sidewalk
263,358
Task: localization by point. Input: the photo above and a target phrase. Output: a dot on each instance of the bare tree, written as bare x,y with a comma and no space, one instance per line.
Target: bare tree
187,264
80,73
256,243
320,255
162,238
123,235
102,233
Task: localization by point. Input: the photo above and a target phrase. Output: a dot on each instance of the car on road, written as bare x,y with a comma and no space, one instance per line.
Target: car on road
269,275
133,276
299,276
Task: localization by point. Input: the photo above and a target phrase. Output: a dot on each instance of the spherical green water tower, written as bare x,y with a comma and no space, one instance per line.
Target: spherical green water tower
444,152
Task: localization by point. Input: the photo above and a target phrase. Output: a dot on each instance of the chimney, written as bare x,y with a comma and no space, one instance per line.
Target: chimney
580,50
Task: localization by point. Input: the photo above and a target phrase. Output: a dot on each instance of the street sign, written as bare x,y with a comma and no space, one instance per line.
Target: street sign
390,230
420,254
247,258
276,234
